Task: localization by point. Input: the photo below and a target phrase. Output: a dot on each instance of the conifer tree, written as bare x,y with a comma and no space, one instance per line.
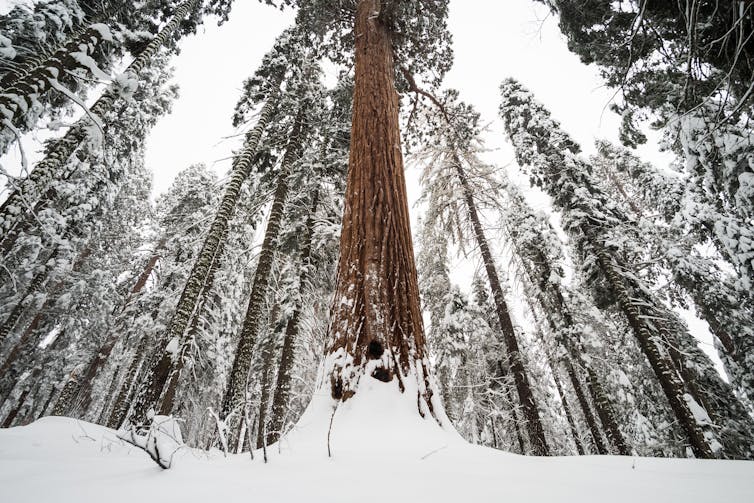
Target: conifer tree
455,173
265,86
589,217
538,253
550,156
376,315
33,192
674,247
69,273
328,160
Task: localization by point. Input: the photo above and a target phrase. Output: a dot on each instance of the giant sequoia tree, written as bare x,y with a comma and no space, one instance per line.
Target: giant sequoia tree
376,320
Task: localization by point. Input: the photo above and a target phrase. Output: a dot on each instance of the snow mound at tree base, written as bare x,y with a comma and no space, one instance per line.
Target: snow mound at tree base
381,451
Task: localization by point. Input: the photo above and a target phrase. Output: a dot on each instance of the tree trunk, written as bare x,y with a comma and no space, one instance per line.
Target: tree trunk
233,406
671,384
283,383
376,314
21,96
585,408
519,436
516,364
171,388
11,417
605,411
267,350
52,167
130,380
566,407
109,397
157,377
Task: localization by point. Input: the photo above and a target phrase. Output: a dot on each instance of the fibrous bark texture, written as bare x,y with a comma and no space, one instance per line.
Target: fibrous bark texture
376,317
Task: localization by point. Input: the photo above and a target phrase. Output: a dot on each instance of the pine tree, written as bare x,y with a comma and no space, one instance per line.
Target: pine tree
328,160
550,156
455,173
34,192
181,214
266,88
674,247
235,394
538,252
76,262
665,57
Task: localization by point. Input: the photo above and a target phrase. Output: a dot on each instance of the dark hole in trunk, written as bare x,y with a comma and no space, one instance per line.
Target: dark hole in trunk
336,388
375,350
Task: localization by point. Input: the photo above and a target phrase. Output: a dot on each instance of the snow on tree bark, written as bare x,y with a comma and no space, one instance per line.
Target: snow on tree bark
515,362
550,154
285,368
376,317
234,402
158,376
18,209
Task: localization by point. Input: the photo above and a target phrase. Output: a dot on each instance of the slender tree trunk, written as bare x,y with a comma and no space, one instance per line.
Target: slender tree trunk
567,408
267,351
171,388
519,435
283,384
523,387
605,411
585,408
233,405
11,417
68,394
46,406
158,376
671,384
130,381
376,316
52,167
22,343
109,397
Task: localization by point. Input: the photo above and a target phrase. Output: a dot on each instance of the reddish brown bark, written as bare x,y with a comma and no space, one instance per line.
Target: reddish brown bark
376,312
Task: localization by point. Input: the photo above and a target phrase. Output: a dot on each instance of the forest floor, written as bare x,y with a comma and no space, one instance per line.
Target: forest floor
381,451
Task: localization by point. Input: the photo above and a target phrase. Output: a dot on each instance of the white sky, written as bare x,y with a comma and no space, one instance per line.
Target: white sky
492,40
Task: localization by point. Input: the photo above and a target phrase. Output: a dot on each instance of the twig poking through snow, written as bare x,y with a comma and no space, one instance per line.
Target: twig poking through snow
433,452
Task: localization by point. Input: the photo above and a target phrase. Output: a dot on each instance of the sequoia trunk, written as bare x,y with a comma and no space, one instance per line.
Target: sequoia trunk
376,316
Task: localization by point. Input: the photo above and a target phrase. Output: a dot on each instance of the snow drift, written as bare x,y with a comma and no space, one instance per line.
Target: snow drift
382,450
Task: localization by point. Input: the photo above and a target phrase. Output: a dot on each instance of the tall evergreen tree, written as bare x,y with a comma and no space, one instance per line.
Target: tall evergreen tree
264,87
550,156
675,250
453,174
376,315
33,192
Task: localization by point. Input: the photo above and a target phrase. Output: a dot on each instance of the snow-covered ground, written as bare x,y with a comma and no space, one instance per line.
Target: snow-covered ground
382,451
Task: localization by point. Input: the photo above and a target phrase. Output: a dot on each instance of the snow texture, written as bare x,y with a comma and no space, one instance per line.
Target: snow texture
382,450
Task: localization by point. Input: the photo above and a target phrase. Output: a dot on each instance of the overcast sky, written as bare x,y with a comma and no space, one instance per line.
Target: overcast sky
492,41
